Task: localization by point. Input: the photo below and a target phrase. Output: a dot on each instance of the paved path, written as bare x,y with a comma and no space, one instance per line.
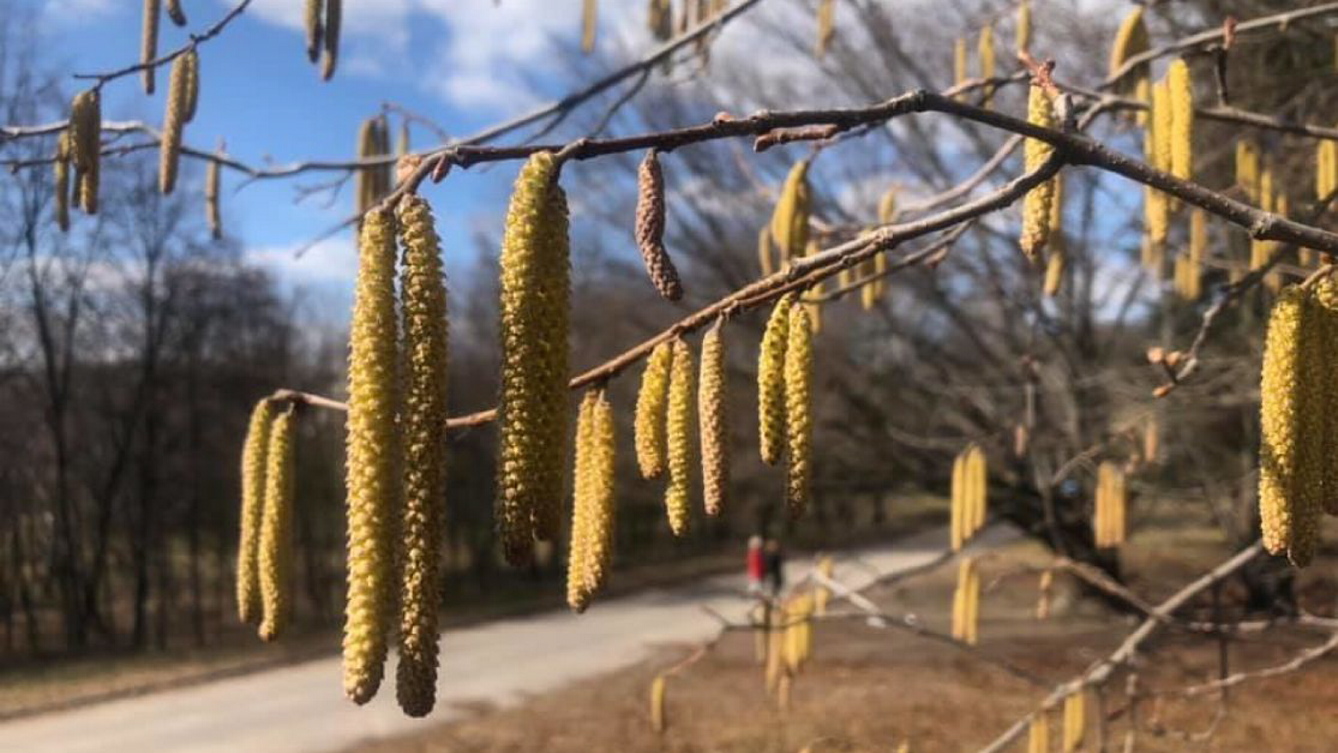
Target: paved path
301,709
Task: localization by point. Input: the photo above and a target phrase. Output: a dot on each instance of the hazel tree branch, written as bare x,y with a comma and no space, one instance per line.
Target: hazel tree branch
196,40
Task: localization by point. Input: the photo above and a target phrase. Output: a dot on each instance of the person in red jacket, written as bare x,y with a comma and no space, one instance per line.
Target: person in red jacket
756,565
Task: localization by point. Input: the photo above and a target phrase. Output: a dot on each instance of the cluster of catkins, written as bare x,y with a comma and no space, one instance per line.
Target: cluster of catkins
1298,482
784,376
970,489
985,53
322,19
264,556
966,602
1109,517
787,630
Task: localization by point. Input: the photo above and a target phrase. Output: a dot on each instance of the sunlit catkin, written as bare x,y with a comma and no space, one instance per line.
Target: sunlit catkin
424,332
85,137
212,212
1023,33
1180,90
978,468
1324,346
966,600
713,421
650,228
957,520
1247,168
276,529
532,408
175,12
658,721
192,74
798,411
651,402
1109,516
254,465
578,548
959,63
826,27
1054,273
678,439
771,382
1038,734
334,11
789,221
148,42
60,179
315,26
174,121
1131,39
593,510
985,58
1036,209
374,459
764,252
1280,399
1075,721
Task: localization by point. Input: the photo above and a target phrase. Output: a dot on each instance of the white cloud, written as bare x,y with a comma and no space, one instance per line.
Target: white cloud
331,261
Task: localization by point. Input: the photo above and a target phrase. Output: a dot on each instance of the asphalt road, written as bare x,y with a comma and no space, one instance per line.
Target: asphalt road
301,709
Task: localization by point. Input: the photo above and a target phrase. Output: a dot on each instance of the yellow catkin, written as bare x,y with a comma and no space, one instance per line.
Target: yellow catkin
1180,90
1198,235
826,27
589,25
1280,398
1054,273
334,11
887,205
192,73
85,136
1163,125
980,506
532,407
1045,594
1036,207
1247,168
175,12
365,183
823,595
212,213
1131,39
578,550
957,524
713,422
423,305
1023,33
254,465
775,647
276,529
61,181
959,63
764,253
374,459
771,382
678,440
1313,456
798,411
174,121
966,600
602,502
1038,734
1188,278
148,42
649,228
661,19
658,721
1075,721
1326,331
985,58
789,221
651,401
315,27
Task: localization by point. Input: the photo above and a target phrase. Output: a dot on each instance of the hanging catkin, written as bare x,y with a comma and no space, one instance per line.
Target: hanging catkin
826,27
192,73
374,459
1111,504
578,549
254,464
330,36
591,549
1045,594
589,25
85,136
175,12
652,400
174,120
1247,168
1326,296
311,17
771,382
959,64
365,187
1130,40
212,213
985,55
678,439
148,42
979,469
966,600
764,252
650,228
1054,273
1280,404
887,205
1075,721
1038,734
1036,210
713,421
276,529
658,721
61,180
957,520
789,221
798,411
1180,91
424,330
1023,33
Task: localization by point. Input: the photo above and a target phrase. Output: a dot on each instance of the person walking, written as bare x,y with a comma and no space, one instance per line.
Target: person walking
774,563
756,565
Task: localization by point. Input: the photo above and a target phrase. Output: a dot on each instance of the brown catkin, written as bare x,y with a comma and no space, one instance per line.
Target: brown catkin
771,382
174,121
658,721
1181,95
148,42
192,73
175,12
61,181
426,354
334,11
1036,207
589,25
651,403
254,464
533,407
798,411
713,421
678,439
374,459
212,213
650,228
276,529
311,17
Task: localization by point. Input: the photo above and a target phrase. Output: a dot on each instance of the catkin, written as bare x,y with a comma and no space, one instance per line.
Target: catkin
1023,33
959,64
678,439
957,520
651,403
212,213
658,721
311,17
1054,273
985,55
61,181
1323,349
826,27
1280,396
966,601
192,74
276,526
148,42
789,221
532,408
254,465
85,137
330,36
771,382
589,25
1131,39
1180,92
591,550
887,205
175,12
1247,168
174,120
1045,595
1038,734
713,421
1110,515
1036,207
764,253
1075,721
424,330
650,228
374,459
578,551
979,469
798,410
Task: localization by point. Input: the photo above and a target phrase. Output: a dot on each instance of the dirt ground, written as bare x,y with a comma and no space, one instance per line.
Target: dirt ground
870,689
